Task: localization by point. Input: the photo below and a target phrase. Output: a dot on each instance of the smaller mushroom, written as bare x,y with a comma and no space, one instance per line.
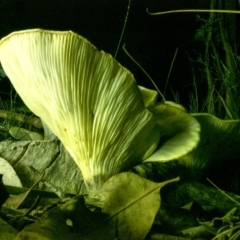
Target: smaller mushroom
220,139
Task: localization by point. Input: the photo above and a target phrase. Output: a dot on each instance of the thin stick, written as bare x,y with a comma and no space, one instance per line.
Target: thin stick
36,122
124,26
124,48
170,70
221,191
194,10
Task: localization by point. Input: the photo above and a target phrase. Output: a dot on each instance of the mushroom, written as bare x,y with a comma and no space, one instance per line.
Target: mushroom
87,99
220,140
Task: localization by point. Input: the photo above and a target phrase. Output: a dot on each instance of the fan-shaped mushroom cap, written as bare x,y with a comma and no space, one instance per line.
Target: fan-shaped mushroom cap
86,98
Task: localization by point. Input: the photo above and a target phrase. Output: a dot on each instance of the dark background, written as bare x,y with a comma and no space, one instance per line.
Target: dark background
151,40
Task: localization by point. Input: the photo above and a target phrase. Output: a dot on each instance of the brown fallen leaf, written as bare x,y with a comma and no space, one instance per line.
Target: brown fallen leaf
7,232
52,225
132,203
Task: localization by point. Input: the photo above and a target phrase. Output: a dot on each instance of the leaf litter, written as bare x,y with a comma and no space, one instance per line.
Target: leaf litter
129,206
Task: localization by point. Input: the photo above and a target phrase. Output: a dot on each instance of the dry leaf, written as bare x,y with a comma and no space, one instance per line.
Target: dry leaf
7,232
9,175
132,203
52,225
14,202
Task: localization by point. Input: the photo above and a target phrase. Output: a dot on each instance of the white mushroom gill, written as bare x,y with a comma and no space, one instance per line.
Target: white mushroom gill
86,98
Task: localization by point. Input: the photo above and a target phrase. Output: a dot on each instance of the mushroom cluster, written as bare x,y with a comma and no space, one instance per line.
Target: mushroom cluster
93,104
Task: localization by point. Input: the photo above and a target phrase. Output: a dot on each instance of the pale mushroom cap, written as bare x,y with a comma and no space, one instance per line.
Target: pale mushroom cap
86,98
